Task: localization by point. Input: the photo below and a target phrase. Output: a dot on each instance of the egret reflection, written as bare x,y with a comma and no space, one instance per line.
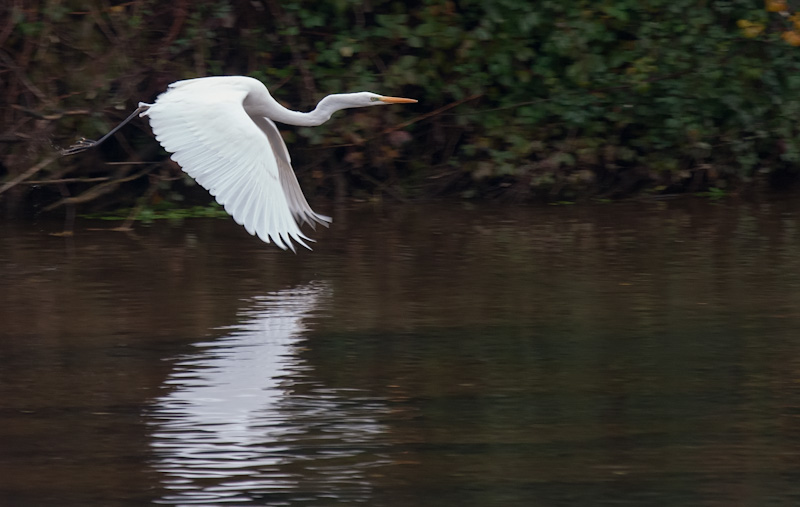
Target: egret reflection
244,422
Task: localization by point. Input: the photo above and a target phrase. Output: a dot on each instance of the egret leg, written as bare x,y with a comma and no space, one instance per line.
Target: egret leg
85,144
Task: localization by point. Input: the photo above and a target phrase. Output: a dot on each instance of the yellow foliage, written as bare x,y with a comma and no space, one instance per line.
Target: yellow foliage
776,5
749,28
795,19
791,37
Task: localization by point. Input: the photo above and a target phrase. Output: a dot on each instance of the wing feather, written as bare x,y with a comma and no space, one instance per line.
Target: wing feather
205,127
298,204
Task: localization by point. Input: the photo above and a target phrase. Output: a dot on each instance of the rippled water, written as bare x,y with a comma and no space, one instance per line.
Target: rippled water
243,414
626,354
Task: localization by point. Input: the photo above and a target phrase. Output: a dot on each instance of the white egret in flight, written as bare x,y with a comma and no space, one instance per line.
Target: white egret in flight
220,131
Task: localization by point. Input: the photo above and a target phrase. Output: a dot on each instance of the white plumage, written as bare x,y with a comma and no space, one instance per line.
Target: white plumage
220,131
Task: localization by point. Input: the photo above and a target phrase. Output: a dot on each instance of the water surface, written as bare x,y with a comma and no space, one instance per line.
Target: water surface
625,354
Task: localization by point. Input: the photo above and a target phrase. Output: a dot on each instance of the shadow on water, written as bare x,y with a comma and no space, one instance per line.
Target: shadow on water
631,354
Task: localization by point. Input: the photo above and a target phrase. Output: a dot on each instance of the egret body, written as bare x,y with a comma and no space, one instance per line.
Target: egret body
221,131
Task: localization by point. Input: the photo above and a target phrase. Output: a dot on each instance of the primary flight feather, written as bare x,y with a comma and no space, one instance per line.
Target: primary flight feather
221,131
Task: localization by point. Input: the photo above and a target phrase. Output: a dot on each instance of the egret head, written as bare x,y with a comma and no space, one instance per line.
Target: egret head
338,101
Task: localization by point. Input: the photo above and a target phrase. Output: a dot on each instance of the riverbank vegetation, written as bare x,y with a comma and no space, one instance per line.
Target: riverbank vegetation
549,100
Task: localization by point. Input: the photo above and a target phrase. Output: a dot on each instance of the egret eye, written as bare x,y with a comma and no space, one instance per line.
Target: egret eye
374,99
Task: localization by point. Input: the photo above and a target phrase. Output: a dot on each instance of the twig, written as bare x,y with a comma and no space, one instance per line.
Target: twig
30,172
435,112
124,4
383,187
653,79
54,116
101,23
96,191
180,12
69,217
11,64
9,26
126,226
64,180
404,124
309,89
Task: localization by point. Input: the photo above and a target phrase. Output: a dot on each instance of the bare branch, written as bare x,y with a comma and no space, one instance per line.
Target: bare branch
30,172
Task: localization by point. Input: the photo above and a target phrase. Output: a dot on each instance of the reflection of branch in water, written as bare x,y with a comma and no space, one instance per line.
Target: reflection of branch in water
234,429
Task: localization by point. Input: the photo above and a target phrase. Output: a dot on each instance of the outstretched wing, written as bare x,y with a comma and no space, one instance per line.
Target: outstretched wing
215,142
291,188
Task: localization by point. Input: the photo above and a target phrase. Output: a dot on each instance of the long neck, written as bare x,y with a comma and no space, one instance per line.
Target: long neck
322,113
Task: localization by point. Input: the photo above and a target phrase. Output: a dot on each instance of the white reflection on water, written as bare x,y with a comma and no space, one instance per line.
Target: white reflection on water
244,423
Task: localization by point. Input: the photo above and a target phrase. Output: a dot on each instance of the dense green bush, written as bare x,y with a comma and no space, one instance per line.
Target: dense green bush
550,98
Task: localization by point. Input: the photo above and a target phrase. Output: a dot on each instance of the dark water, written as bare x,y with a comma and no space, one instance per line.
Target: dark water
626,354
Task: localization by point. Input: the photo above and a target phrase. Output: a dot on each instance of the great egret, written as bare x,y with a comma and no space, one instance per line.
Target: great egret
220,130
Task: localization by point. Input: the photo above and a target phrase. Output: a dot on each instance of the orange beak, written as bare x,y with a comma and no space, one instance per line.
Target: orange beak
397,100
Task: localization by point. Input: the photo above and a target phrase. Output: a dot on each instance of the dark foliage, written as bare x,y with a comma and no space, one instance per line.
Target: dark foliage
548,99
